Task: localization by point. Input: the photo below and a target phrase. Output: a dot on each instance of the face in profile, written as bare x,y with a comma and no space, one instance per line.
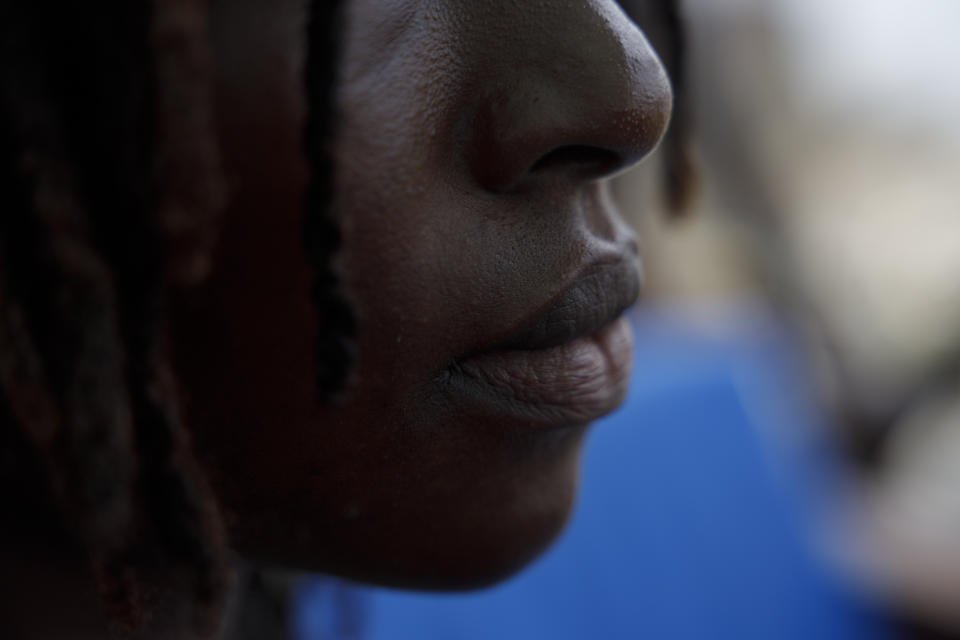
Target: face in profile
482,256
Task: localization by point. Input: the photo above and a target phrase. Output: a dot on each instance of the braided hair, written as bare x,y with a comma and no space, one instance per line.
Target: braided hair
663,24
110,188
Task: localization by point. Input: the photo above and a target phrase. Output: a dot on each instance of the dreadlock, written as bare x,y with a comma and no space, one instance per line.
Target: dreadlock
111,186
679,171
321,233
662,21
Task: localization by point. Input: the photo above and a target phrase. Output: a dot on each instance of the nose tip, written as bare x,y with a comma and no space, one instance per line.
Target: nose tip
587,97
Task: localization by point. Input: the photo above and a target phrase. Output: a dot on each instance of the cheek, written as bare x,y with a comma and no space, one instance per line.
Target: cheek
397,254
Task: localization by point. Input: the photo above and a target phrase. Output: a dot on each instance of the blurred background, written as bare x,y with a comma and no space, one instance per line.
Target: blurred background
830,152
788,462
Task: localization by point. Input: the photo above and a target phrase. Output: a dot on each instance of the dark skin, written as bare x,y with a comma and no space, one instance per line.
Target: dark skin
482,256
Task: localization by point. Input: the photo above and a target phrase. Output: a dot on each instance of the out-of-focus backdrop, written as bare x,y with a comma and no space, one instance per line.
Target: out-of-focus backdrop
830,145
788,463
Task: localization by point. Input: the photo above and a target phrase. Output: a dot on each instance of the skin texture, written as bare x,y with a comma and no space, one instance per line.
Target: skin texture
472,148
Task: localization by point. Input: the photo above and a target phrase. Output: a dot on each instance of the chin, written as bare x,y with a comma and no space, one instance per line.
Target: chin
489,529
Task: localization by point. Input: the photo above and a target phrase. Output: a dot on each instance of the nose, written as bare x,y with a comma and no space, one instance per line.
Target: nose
583,96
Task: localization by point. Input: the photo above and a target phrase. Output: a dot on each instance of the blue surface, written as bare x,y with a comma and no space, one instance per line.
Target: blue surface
691,525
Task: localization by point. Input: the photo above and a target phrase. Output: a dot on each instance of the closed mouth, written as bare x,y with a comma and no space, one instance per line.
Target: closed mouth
569,364
597,297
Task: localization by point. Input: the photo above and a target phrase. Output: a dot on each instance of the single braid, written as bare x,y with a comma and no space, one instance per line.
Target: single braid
679,169
181,225
188,173
321,231
663,24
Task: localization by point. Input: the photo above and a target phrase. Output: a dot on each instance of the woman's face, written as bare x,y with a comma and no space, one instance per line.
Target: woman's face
482,256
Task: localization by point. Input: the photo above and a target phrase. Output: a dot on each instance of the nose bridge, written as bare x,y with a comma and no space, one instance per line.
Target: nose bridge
582,76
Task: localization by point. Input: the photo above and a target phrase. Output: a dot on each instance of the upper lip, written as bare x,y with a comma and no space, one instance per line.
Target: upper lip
599,294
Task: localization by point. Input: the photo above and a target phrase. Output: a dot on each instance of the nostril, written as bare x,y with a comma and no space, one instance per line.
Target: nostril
582,159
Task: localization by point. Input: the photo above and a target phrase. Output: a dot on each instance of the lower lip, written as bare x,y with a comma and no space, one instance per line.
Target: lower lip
569,384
